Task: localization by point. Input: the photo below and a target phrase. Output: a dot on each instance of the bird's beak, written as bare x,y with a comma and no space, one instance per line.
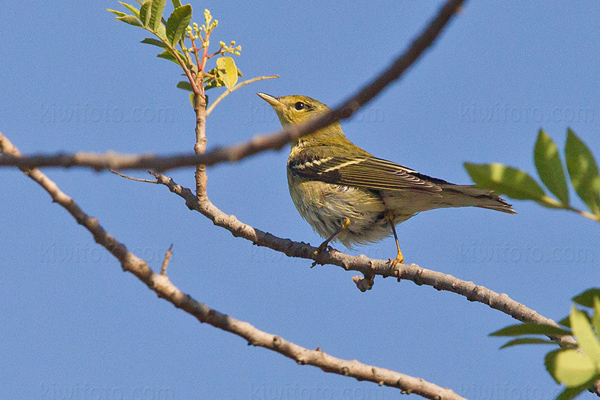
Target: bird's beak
271,100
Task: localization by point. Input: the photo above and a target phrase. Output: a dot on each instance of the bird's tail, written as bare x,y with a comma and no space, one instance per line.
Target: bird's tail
469,195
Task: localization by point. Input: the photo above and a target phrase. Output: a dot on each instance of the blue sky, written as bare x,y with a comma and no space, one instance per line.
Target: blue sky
74,325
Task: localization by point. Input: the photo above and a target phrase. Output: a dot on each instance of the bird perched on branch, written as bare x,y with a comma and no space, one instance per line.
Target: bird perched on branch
349,195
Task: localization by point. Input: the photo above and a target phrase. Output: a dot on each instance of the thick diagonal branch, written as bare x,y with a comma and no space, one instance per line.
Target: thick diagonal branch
258,143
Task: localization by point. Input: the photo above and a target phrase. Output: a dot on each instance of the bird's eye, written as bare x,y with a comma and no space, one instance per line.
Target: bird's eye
299,106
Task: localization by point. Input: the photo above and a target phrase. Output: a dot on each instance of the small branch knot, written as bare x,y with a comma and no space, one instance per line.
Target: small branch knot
364,283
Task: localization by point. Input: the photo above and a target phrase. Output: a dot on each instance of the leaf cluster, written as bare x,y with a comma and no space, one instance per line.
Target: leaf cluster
576,367
518,184
183,44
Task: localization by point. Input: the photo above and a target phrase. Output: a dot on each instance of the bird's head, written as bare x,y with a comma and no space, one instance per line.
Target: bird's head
294,109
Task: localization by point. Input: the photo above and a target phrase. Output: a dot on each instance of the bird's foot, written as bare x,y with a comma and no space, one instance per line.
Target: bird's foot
395,262
322,249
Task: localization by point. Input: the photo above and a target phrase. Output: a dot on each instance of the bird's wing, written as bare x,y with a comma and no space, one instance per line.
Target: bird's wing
363,171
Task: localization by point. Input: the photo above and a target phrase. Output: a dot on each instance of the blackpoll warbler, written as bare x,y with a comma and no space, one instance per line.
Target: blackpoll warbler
347,194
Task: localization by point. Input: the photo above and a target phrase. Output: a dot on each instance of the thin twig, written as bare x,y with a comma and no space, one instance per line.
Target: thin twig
549,202
165,264
165,289
132,178
258,143
236,87
585,214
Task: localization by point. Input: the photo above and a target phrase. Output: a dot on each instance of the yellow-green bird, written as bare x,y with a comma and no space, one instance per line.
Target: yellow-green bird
349,195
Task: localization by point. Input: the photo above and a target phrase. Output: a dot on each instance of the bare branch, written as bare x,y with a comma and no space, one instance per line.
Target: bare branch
131,178
367,266
236,87
258,143
165,264
165,289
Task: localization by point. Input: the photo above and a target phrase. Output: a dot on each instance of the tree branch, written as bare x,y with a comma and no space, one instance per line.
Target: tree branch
131,178
258,143
369,267
165,289
366,266
236,87
200,146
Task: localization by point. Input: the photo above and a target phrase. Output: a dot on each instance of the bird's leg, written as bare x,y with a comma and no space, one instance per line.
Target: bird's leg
324,245
399,257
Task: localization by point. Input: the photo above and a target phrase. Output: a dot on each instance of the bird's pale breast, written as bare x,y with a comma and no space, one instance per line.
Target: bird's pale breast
326,206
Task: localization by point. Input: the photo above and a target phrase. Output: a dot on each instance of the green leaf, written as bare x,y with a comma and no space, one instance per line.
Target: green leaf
161,32
185,85
570,367
510,181
131,8
178,20
566,321
155,42
117,13
145,10
227,71
571,392
519,341
176,3
530,328
156,12
167,55
131,20
584,334
586,298
583,171
596,316
549,167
